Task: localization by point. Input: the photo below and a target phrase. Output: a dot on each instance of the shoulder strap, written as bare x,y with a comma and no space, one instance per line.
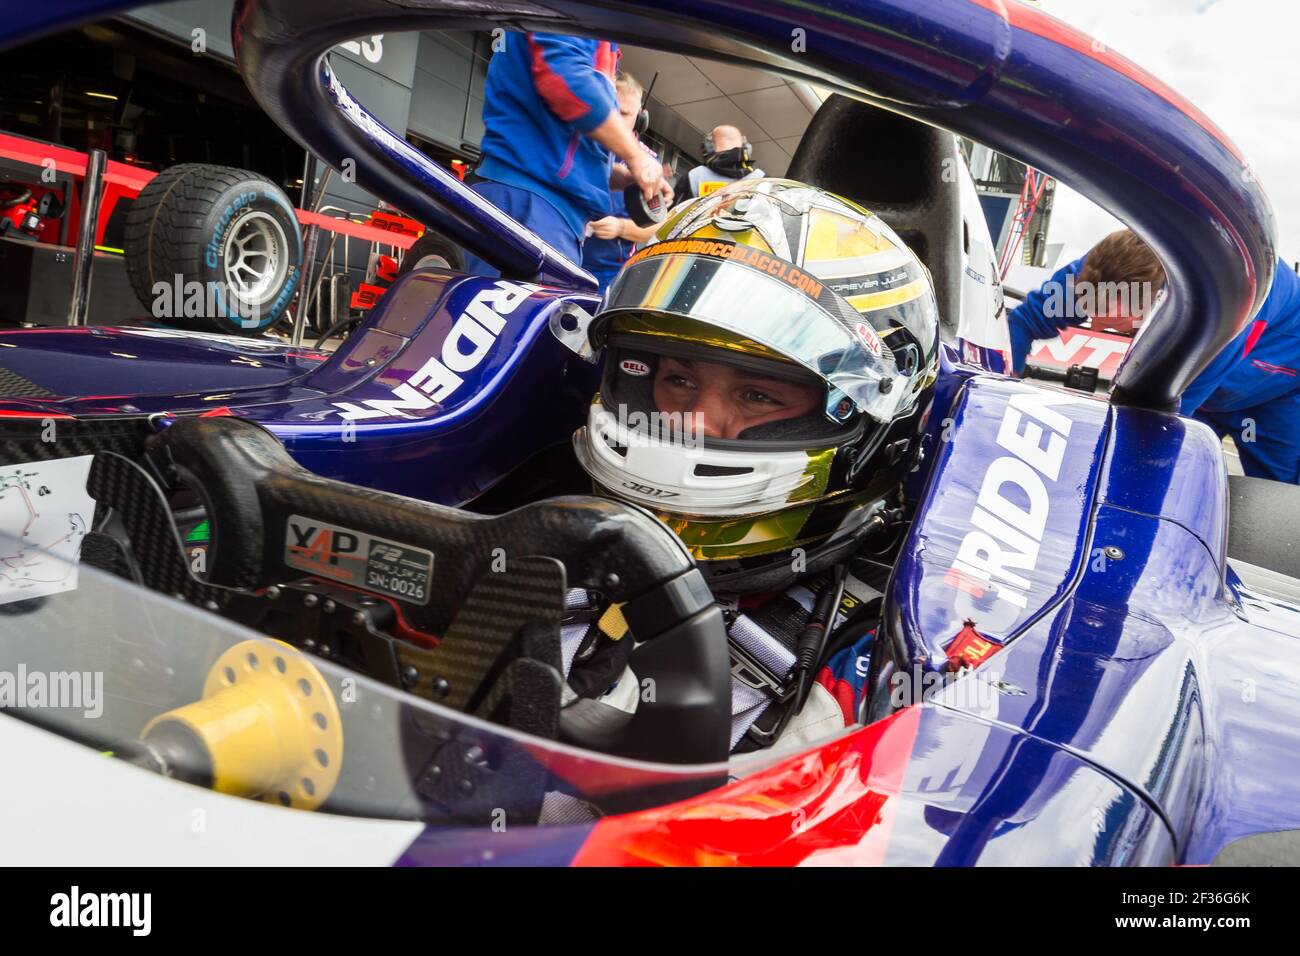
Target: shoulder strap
762,646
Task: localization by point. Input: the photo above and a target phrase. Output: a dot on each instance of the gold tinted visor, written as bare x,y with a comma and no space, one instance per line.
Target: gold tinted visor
762,298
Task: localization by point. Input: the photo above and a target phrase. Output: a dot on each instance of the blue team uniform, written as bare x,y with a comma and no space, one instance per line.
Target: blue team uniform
544,94
1250,391
604,257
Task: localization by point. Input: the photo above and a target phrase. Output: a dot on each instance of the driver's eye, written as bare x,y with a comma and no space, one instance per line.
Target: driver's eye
677,380
760,398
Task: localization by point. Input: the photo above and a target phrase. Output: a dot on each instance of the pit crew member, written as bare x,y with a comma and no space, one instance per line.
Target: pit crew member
1250,391
612,238
552,131
728,158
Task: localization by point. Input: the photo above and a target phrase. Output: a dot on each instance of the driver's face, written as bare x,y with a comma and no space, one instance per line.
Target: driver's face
727,398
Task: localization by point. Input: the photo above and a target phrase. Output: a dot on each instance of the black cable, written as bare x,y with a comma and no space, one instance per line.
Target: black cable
813,637
808,652
335,328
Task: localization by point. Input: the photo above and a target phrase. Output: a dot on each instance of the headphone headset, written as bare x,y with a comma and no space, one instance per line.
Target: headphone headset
643,117
746,151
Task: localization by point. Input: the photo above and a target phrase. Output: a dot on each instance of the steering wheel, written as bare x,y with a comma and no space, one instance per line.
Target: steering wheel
258,494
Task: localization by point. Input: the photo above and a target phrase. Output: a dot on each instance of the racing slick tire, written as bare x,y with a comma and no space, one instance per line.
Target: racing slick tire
432,249
213,249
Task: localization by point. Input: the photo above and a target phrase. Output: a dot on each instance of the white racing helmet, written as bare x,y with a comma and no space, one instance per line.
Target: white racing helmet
781,288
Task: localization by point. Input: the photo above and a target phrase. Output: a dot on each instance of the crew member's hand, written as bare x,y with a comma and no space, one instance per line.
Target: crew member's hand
666,190
648,173
639,166
611,227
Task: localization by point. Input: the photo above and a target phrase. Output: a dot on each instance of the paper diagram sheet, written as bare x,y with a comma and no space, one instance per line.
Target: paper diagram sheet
45,512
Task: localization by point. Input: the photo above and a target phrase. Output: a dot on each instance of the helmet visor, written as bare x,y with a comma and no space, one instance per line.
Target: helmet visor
867,357
654,386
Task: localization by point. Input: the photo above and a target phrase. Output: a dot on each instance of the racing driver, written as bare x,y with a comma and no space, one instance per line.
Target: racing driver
768,364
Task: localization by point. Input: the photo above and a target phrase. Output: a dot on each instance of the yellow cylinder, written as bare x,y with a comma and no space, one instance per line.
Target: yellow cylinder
270,725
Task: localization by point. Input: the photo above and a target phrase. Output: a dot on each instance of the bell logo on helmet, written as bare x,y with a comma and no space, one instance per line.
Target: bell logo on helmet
437,379
1011,510
633,367
867,335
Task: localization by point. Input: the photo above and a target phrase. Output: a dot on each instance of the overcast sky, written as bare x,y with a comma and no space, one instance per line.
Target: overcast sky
1237,60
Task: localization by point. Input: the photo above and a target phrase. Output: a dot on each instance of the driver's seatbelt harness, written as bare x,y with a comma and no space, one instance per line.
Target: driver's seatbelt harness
763,642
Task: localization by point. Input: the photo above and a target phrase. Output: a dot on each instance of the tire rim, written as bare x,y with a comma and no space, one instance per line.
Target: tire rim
255,260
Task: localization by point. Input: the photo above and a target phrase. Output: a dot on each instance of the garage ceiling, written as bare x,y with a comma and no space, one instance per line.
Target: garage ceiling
772,111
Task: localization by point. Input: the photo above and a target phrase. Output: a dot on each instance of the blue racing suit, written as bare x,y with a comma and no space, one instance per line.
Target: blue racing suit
1251,389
